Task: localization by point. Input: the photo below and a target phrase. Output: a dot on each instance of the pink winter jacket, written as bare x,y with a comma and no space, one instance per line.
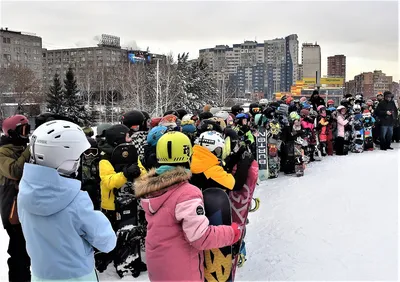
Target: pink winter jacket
178,230
306,124
341,123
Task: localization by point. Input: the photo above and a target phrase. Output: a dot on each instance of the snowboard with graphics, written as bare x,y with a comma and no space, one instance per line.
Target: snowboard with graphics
241,203
262,153
127,258
217,262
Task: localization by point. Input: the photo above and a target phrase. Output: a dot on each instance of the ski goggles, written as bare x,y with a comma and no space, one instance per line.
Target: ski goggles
256,110
23,130
91,152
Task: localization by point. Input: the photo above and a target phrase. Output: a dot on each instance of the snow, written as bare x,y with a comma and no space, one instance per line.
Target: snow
337,223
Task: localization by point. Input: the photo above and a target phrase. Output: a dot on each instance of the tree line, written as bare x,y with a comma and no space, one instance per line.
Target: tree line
102,94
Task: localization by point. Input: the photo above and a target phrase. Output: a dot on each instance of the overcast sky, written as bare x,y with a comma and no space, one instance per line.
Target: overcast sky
366,32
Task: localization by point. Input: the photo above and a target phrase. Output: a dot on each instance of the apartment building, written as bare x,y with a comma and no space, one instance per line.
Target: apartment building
21,49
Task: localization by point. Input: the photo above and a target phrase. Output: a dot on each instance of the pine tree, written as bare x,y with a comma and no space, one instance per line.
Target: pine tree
73,104
55,97
200,87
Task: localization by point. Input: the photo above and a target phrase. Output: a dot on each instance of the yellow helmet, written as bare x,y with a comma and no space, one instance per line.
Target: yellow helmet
173,148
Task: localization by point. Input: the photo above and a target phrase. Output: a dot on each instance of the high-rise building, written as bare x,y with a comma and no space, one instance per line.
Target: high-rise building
259,68
281,64
236,62
300,72
337,66
311,61
21,49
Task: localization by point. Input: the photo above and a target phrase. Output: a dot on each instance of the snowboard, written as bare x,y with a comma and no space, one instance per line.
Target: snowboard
368,140
262,153
127,257
241,204
217,262
358,135
317,150
273,148
299,165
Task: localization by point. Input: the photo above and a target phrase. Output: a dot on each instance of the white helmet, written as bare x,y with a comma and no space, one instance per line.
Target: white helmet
213,141
187,119
222,114
341,107
59,144
263,102
357,108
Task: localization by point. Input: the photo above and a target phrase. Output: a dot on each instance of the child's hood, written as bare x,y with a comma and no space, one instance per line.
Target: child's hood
42,191
156,189
202,160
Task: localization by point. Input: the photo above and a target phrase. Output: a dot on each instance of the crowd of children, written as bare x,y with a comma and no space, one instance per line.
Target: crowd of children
154,201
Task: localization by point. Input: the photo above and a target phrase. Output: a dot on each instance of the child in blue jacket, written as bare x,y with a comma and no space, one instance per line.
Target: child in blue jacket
58,220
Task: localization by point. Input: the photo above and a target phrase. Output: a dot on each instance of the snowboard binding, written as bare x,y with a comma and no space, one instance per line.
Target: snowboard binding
256,206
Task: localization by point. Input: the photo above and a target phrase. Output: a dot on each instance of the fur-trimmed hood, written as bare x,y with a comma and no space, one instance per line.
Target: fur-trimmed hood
151,182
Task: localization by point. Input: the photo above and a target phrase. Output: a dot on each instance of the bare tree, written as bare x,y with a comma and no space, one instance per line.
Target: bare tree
87,83
22,83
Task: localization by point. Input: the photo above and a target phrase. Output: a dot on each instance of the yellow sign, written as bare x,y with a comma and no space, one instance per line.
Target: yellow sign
323,80
309,80
332,80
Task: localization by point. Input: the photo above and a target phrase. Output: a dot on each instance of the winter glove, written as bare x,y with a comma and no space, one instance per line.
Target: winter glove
131,172
237,231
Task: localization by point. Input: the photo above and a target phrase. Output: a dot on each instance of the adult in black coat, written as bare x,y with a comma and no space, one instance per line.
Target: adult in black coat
387,113
316,100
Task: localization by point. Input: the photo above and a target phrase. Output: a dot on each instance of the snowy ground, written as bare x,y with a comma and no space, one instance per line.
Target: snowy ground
337,223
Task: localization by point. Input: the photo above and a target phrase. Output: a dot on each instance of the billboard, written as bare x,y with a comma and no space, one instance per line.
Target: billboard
139,57
332,80
324,80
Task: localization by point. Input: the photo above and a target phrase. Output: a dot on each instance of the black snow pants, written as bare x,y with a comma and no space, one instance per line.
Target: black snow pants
340,146
19,262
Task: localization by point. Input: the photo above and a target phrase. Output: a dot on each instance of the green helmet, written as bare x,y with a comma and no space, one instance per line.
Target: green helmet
101,128
294,116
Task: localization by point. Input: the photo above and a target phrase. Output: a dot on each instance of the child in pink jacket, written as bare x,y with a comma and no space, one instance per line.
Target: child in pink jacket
341,124
178,230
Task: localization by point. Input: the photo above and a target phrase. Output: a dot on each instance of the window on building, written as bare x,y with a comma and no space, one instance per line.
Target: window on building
7,57
99,64
18,58
98,52
73,53
99,58
6,40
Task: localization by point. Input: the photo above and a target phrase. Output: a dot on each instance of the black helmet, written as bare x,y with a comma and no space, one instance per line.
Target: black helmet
45,117
236,109
181,113
254,109
116,134
133,118
205,115
208,125
171,112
